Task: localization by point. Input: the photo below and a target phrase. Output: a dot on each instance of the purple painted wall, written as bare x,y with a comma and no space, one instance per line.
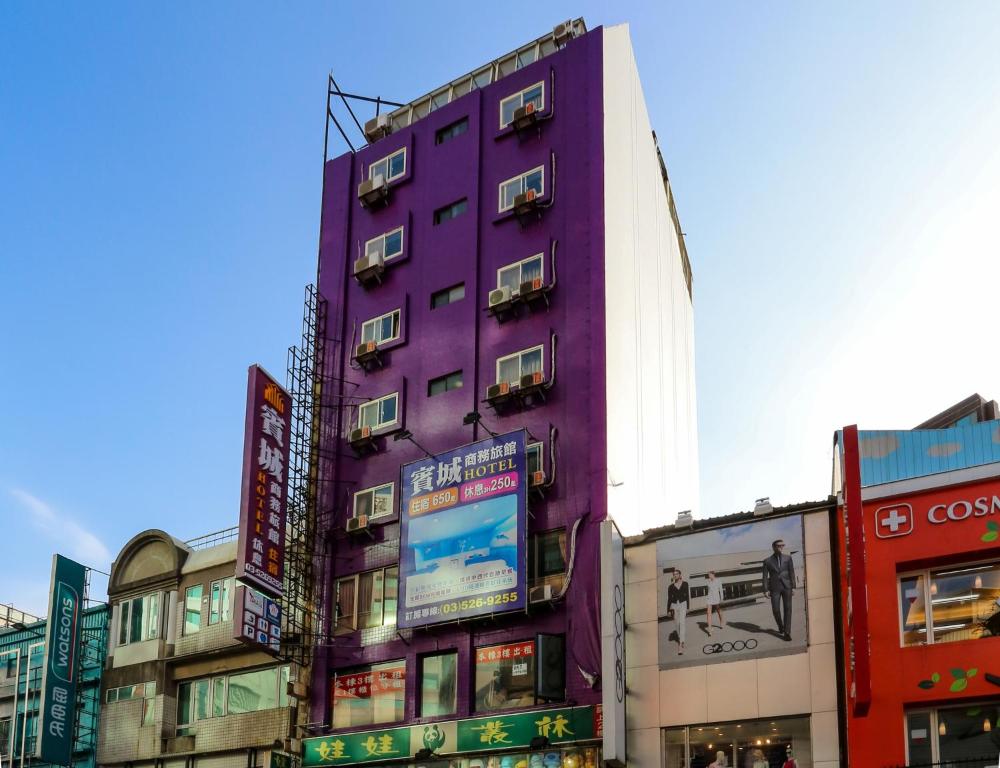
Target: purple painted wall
461,336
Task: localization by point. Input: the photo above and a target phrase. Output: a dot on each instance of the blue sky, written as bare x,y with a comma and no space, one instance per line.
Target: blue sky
835,170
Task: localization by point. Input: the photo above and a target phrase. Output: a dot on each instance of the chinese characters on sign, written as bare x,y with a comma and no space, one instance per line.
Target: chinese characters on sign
366,685
62,642
463,532
261,551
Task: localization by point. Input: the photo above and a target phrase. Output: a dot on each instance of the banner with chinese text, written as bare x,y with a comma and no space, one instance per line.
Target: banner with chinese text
59,673
480,734
463,519
261,551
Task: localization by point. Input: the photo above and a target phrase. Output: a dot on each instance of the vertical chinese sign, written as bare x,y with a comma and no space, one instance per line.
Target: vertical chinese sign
463,519
62,644
260,560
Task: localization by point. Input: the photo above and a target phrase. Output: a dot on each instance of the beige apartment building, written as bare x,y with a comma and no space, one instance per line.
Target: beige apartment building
762,688
179,688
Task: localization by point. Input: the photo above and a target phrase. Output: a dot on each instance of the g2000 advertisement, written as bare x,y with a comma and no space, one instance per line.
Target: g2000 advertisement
463,518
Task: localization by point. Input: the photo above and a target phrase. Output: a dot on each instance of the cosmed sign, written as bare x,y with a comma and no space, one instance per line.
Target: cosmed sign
463,516
260,559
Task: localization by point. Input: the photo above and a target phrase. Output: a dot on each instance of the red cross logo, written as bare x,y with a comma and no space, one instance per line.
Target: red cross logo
892,521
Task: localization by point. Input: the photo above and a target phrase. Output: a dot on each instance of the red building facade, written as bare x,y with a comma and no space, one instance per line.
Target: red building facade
919,555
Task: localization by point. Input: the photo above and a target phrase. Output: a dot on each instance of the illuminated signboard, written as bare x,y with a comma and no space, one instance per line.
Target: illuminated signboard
62,644
258,620
261,551
463,516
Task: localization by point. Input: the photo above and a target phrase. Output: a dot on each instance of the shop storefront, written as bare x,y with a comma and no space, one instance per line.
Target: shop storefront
750,744
920,560
547,738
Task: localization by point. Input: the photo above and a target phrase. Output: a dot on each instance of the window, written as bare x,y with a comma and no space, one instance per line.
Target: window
953,735
379,413
389,168
221,604
144,691
450,211
525,271
533,454
961,599
447,296
5,729
746,743
534,95
547,558
381,329
369,695
139,619
367,600
510,369
505,676
444,384
438,677
231,695
388,246
192,609
532,180
449,132
374,502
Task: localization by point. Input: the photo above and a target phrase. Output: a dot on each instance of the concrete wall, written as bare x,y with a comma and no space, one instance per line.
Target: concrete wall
651,415
796,684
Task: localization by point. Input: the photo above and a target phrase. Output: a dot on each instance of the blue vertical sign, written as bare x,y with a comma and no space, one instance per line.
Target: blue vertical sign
463,519
62,647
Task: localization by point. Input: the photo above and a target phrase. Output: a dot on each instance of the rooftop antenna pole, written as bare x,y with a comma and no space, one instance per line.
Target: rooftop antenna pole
347,104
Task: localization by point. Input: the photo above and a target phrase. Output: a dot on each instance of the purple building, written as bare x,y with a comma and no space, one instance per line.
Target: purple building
504,254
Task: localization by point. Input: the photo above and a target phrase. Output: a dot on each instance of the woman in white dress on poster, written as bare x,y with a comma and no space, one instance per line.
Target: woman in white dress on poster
714,601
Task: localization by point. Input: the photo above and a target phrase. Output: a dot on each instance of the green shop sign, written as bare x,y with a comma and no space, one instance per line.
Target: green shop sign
479,734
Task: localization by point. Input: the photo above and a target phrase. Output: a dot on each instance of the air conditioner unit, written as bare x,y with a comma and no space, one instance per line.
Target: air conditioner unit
497,390
563,33
378,127
362,433
537,478
532,379
365,348
541,594
526,202
369,265
373,191
499,296
530,286
524,116
357,524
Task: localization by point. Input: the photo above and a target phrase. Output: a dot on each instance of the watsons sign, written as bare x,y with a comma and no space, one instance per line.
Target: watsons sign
59,675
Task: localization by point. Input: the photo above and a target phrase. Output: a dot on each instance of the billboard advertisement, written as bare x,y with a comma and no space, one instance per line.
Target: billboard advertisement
59,674
463,518
260,559
731,593
259,622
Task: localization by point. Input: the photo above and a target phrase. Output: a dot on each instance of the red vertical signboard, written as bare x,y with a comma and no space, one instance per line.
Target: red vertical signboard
857,586
260,560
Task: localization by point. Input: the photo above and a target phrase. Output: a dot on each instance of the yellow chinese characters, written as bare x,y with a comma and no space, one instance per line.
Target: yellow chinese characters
492,732
331,750
557,725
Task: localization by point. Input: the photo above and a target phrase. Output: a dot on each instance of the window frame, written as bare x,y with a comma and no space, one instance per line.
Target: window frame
446,133
283,674
391,485
447,379
520,95
927,574
935,724
383,237
125,619
538,447
376,403
185,632
388,162
365,669
224,613
476,711
447,292
356,578
450,208
520,354
421,660
519,178
519,265
376,323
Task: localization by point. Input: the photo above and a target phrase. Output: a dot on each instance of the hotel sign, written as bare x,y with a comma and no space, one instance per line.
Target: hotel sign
260,560
62,645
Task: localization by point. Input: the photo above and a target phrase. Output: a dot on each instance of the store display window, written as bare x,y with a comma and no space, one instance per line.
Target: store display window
778,743
964,603
966,735
369,695
505,676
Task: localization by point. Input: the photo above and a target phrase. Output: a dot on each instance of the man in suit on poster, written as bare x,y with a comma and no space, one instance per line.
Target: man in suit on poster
779,583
